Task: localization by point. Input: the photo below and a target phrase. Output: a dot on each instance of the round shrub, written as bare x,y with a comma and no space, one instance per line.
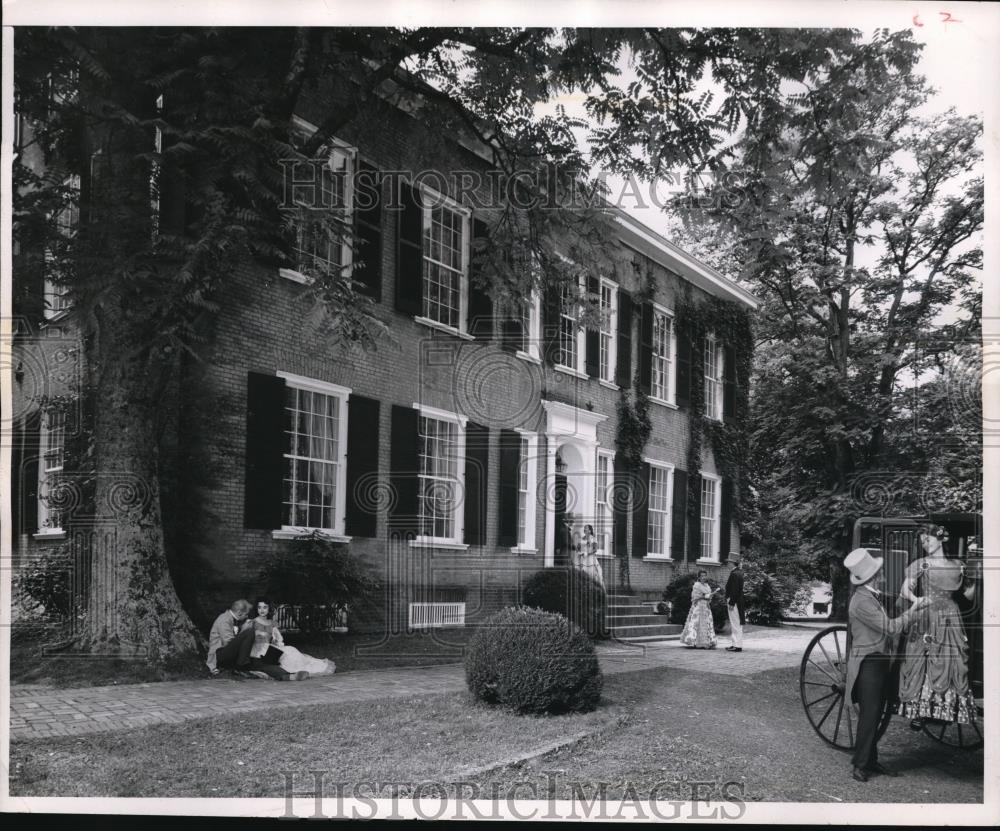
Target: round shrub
570,592
768,595
533,662
678,594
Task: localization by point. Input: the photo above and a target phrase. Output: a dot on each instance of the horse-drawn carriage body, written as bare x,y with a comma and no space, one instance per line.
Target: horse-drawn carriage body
823,670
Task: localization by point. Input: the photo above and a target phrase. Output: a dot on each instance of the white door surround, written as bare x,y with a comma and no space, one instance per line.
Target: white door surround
573,433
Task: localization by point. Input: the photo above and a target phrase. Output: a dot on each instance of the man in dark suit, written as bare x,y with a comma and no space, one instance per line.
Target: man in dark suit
737,607
871,635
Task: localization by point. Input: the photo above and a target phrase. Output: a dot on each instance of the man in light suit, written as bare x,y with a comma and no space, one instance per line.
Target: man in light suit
737,607
871,637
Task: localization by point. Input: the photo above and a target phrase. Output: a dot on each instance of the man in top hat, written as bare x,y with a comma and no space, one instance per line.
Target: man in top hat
868,663
737,606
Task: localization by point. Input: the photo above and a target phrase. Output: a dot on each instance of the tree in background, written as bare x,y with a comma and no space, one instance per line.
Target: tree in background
859,227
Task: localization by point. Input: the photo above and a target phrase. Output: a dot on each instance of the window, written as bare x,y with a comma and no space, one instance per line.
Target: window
604,526
446,239
660,501
50,518
713,378
531,323
663,380
526,486
67,223
608,342
571,336
709,517
441,455
315,473
324,196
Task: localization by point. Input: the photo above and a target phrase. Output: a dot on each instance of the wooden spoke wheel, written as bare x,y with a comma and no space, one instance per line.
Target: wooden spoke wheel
960,736
822,679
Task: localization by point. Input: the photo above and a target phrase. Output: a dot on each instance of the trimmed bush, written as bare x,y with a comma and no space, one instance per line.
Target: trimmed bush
570,592
678,593
533,662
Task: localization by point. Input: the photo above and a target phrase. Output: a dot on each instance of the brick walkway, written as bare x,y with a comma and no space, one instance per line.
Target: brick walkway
41,712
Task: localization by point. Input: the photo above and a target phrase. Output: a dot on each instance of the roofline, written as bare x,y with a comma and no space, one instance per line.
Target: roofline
675,258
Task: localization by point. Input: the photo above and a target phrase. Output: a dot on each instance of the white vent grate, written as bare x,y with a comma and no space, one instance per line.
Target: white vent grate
433,615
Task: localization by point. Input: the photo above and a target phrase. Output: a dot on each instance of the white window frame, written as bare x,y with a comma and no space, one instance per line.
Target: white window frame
336,146
604,513
48,440
581,335
429,200
667,528
532,333
458,519
716,518
340,506
529,467
713,409
609,330
671,374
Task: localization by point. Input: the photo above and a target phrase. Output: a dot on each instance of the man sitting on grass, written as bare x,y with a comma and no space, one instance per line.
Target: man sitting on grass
230,643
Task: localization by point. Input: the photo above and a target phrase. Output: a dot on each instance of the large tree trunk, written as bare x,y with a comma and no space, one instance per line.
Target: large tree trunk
132,606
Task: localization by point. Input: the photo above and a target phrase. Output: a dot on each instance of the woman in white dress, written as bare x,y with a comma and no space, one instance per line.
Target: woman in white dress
587,556
268,641
699,630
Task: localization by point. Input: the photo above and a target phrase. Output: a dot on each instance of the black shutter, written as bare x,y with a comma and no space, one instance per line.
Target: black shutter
678,513
362,465
510,468
551,304
726,519
24,475
592,336
683,393
694,529
367,270
619,507
409,251
480,304
640,513
728,383
404,467
623,371
266,445
646,349
477,465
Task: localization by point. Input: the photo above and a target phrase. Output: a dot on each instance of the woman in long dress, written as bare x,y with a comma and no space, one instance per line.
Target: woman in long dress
269,645
587,560
699,630
934,677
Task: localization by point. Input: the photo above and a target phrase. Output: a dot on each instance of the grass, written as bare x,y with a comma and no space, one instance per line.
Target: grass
660,731
29,663
423,738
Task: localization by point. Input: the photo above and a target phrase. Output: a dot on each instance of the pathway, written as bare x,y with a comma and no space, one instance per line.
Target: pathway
41,712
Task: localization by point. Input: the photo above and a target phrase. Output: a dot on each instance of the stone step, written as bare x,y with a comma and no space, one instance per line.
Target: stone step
650,638
633,620
639,630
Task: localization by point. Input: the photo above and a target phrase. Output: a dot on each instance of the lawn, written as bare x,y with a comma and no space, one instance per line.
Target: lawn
660,732
30,663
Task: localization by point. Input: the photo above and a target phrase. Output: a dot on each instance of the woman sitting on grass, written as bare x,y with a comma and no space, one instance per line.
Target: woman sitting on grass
271,647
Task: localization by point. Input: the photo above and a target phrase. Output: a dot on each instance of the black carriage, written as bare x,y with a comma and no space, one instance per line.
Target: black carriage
822,676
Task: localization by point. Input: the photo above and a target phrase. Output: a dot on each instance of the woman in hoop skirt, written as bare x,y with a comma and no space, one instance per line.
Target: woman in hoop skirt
934,677
699,630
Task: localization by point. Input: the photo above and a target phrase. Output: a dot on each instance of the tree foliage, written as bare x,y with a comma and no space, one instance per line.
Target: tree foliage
859,227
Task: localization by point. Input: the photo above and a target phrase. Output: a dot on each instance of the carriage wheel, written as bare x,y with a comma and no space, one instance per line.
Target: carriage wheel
822,678
960,736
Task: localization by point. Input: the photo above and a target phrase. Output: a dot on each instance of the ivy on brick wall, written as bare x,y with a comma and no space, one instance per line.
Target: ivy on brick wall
729,439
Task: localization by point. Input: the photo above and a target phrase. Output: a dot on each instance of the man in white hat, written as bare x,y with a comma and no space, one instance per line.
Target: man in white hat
868,663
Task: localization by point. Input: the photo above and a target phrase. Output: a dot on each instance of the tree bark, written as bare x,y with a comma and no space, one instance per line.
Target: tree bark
132,606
